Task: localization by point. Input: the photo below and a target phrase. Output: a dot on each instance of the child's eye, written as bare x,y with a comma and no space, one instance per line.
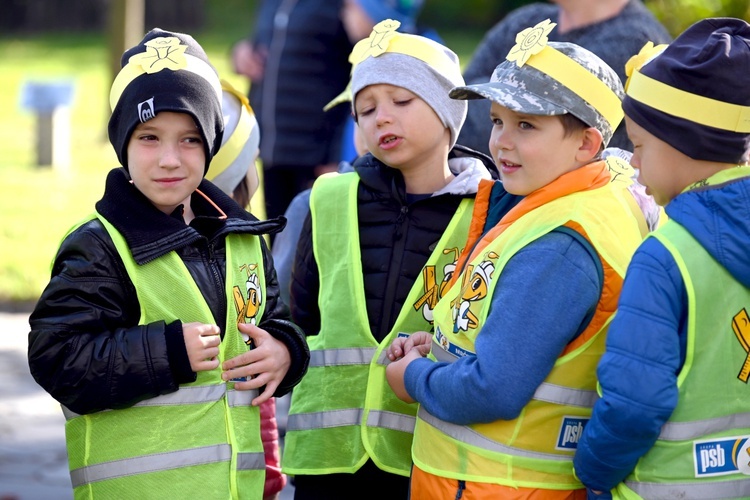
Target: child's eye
365,111
403,102
194,140
147,137
497,122
525,125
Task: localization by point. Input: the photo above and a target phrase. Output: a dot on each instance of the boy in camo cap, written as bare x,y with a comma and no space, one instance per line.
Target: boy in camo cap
510,380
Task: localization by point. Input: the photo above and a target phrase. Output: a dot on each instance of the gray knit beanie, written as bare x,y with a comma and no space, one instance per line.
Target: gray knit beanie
422,66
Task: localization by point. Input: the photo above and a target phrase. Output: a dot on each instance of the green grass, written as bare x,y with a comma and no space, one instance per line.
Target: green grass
39,204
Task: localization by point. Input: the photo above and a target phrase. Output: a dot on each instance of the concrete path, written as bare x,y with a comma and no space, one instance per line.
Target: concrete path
33,460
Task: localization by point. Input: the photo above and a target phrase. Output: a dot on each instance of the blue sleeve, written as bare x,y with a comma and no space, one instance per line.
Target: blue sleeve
544,294
638,372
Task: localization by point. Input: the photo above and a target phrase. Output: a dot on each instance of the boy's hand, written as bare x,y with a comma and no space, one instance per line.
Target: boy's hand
394,373
266,364
202,343
422,341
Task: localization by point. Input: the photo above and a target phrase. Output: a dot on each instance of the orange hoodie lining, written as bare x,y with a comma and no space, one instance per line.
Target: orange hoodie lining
591,176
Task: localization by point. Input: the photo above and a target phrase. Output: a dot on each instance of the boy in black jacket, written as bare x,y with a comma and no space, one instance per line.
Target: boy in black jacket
143,331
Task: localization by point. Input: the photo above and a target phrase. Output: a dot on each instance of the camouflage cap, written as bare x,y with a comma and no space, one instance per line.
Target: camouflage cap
526,89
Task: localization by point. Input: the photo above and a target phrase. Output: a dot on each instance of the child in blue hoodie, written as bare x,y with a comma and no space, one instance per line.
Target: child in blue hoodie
672,421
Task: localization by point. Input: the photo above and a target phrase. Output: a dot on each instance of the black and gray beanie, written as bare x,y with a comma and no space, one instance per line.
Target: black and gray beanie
165,72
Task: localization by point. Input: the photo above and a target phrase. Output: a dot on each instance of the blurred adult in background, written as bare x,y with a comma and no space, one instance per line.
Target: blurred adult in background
614,30
297,61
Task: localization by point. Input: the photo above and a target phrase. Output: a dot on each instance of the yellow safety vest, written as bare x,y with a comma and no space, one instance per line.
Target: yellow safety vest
703,451
343,411
536,449
202,441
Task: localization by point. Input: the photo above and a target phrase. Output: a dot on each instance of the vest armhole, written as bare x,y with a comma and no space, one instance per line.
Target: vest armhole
599,270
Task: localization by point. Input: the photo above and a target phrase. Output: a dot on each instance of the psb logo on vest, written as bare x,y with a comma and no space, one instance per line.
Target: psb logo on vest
570,432
719,457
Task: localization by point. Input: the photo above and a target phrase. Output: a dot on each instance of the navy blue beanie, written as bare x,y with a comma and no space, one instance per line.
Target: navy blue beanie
711,59
165,72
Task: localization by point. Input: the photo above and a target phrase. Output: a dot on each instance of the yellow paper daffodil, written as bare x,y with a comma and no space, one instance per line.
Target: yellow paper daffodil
647,53
161,53
376,43
530,41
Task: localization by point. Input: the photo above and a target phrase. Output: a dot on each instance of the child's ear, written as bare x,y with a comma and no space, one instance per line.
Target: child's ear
591,143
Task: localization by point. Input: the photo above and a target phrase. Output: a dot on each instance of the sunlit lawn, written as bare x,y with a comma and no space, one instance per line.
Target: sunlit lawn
39,204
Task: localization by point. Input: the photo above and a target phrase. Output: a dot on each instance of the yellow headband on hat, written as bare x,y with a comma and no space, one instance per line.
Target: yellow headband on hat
384,38
231,149
164,52
679,103
531,48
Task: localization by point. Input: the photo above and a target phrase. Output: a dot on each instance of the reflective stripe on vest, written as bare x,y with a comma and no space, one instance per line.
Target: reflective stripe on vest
165,461
703,450
202,440
190,395
536,449
735,488
340,357
551,393
343,411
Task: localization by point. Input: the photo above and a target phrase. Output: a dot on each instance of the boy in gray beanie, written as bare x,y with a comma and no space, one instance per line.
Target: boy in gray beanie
672,420
373,256
144,332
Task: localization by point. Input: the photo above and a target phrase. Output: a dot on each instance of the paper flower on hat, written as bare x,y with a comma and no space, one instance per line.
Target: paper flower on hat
165,52
529,42
375,44
647,53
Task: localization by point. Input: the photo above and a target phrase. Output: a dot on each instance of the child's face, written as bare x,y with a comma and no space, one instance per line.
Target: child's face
166,159
661,168
399,128
531,150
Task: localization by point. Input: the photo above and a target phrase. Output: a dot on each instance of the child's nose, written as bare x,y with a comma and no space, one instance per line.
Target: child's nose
499,139
170,156
383,115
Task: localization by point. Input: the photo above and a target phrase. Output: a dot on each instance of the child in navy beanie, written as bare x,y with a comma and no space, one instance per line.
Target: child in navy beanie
672,419
161,330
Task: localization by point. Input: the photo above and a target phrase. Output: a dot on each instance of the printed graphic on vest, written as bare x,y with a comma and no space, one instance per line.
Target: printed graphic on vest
432,291
248,304
474,288
570,432
741,327
448,346
719,457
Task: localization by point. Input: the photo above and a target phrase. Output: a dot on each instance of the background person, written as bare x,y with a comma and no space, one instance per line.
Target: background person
614,30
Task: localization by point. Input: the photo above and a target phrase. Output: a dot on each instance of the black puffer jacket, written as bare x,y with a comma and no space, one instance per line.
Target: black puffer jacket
396,238
86,348
307,65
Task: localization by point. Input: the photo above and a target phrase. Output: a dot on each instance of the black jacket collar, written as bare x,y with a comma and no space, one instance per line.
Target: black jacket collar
150,233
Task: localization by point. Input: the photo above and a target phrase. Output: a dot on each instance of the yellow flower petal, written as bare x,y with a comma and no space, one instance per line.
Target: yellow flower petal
161,53
646,54
375,44
530,41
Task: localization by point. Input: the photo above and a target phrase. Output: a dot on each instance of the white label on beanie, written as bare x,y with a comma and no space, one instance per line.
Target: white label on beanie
146,110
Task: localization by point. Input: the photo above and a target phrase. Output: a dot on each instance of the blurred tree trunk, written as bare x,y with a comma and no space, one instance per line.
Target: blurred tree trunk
125,24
